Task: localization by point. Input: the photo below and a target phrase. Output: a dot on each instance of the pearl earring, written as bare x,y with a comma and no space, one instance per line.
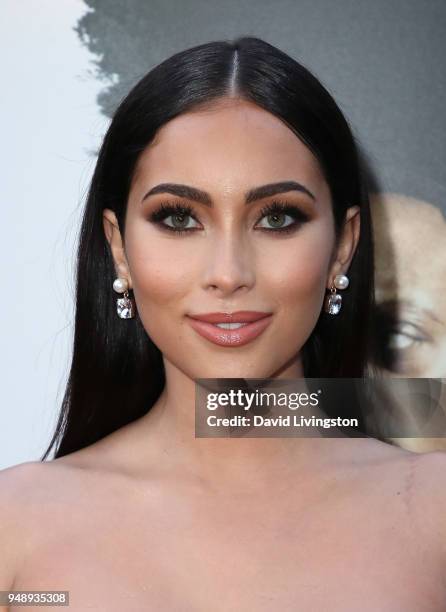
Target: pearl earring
333,302
124,305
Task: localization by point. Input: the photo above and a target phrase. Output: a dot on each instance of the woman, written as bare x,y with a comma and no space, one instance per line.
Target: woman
228,182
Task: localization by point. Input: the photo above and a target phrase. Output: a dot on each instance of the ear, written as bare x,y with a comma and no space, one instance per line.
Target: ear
114,239
348,241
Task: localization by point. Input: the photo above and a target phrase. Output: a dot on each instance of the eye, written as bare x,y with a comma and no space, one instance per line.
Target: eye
179,221
397,340
405,335
278,220
282,217
178,216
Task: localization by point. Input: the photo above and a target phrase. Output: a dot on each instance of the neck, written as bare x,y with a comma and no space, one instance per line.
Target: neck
169,428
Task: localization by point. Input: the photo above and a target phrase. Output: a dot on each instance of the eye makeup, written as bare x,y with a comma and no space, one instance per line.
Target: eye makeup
273,210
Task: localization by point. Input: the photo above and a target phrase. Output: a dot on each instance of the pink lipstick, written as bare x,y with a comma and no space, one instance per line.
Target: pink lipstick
230,329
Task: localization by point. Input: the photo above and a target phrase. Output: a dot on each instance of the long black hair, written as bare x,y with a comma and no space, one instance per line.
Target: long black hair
117,372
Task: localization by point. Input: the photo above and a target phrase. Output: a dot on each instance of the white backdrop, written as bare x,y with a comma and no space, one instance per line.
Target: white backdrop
50,126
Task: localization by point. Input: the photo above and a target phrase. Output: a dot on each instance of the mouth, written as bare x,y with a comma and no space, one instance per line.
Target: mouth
230,329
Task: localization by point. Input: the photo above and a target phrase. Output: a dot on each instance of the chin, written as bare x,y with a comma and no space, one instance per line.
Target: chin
235,371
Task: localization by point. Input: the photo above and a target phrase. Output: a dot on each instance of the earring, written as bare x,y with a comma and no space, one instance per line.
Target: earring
124,305
333,302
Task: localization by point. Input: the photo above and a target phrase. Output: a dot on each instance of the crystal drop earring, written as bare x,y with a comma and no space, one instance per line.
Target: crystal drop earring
124,305
333,301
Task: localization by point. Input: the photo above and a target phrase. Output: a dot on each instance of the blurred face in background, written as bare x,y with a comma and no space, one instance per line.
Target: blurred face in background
410,238
410,269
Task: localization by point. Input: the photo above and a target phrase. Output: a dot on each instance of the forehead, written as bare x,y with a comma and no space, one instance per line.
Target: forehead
234,144
408,225
410,248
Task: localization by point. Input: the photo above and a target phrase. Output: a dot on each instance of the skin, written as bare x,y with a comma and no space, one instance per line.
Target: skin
410,249
151,517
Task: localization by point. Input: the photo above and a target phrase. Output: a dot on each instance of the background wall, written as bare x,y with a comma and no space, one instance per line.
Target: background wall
66,65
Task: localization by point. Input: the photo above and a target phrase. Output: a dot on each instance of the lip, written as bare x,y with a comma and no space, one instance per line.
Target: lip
240,316
254,324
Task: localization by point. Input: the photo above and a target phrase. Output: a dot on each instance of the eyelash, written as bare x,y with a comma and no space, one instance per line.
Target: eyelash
276,207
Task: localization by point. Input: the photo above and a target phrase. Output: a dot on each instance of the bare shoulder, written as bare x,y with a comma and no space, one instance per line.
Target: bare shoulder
17,484
431,467
14,478
371,456
29,482
419,479
26,489
24,486
425,470
430,491
35,498
416,479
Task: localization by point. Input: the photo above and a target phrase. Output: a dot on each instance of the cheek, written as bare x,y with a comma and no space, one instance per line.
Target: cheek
298,285
160,279
298,276
156,281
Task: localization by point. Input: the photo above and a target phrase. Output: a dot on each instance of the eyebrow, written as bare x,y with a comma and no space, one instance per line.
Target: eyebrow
395,306
257,193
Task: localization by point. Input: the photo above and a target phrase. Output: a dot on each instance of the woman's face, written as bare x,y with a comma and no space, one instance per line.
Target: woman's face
230,256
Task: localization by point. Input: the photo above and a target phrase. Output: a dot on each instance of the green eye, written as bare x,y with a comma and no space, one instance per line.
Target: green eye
179,221
178,216
281,217
277,220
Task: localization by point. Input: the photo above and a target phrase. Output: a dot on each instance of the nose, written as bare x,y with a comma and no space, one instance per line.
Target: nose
230,265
